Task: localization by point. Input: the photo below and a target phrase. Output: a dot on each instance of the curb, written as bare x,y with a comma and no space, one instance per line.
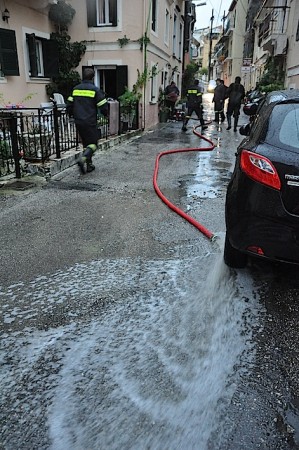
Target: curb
69,158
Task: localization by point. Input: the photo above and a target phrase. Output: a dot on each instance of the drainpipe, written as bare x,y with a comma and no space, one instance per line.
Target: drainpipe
143,58
144,49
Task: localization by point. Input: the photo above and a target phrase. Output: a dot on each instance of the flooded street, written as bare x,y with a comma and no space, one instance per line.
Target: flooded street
121,326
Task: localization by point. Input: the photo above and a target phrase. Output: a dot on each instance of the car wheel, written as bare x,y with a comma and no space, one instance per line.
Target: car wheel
232,257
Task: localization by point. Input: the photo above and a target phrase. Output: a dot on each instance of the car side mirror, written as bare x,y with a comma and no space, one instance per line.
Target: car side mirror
245,130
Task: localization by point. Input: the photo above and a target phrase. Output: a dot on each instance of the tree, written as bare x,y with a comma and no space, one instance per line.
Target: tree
188,76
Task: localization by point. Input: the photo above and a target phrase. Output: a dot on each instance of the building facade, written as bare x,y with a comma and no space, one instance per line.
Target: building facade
129,43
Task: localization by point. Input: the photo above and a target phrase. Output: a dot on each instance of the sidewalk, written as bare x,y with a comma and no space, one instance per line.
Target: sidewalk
39,173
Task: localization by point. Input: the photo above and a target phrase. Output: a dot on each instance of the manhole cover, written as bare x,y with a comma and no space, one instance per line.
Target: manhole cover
20,185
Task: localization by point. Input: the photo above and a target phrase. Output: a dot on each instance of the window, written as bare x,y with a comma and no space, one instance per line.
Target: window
283,128
174,39
102,13
154,90
166,30
180,52
9,64
42,55
154,15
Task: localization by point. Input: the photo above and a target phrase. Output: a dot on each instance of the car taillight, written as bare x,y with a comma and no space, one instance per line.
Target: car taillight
260,169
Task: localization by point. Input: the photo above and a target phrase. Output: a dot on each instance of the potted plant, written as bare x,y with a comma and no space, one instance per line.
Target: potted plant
128,102
164,110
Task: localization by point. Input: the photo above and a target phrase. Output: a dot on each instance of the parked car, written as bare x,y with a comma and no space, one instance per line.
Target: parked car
251,105
262,200
252,96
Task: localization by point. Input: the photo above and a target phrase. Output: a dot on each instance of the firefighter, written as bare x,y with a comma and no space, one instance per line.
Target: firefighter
194,103
235,94
85,103
218,100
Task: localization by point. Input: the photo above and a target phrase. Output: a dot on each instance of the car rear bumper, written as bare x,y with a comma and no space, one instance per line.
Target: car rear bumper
271,239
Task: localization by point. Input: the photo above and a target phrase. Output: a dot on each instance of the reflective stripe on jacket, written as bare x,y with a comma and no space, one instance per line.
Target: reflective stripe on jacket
86,99
194,95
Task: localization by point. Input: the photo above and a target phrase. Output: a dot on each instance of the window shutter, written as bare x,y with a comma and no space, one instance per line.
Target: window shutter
50,58
121,79
91,13
32,54
113,12
8,53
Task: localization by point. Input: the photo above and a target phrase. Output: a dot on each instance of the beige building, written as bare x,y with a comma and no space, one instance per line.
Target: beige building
234,31
205,42
271,39
23,19
127,42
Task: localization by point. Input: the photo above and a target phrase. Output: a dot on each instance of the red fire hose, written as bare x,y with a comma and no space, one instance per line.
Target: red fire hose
190,219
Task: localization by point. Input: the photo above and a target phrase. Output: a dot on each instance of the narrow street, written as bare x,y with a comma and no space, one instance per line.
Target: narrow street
121,326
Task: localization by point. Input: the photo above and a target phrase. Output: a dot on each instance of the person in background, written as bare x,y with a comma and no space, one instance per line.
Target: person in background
85,103
235,94
225,87
171,95
218,100
194,104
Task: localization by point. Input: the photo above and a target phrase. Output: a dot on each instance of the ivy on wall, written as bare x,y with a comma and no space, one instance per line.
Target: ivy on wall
69,53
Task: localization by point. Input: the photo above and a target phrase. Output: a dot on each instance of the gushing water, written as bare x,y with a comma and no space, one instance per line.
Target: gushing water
154,367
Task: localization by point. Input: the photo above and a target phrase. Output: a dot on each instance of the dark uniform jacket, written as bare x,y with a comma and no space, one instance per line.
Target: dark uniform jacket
194,95
84,102
235,94
219,93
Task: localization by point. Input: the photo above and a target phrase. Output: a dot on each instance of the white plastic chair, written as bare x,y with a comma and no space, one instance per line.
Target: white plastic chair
59,99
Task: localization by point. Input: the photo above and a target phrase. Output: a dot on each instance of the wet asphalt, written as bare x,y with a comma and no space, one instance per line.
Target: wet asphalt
121,326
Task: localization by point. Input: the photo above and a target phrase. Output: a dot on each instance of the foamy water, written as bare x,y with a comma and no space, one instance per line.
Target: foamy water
147,355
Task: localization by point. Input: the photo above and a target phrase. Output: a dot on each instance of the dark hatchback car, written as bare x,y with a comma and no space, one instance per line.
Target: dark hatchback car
262,200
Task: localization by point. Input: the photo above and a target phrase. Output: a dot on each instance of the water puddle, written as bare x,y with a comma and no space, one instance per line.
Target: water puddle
209,180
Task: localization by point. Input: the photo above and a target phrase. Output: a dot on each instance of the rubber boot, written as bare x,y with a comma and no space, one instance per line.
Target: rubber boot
90,149
85,161
229,122
235,123
202,123
184,127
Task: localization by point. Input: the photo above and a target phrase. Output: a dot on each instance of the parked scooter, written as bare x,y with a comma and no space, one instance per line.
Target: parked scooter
250,108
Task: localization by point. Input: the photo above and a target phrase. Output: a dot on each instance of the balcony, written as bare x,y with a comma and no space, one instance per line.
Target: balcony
275,44
229,27
272,36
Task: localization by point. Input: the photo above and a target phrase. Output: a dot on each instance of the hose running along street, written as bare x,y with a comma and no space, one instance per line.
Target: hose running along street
190,219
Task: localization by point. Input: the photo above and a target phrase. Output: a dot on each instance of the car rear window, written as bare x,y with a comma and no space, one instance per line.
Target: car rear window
283,129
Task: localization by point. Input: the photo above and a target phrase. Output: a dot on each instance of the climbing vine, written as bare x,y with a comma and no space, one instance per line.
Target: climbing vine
274,75
69,53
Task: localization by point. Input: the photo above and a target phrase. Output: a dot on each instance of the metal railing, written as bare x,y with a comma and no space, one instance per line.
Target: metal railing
37,134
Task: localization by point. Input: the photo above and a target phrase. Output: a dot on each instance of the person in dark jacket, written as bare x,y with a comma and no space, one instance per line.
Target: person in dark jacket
235,93
218,100
194,104
171,95
85,103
